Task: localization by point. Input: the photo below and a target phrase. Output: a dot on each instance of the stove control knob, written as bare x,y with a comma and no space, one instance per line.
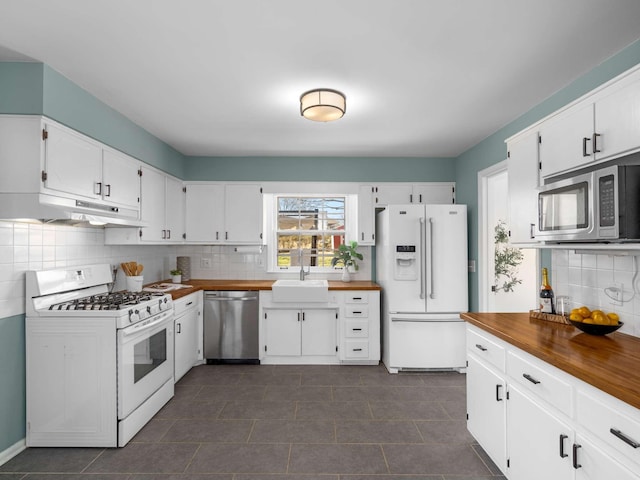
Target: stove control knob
134,316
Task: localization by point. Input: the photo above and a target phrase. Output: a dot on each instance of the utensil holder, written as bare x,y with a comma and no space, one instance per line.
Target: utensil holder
134,283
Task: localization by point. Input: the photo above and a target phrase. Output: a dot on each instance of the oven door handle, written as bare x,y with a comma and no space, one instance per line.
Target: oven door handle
137,328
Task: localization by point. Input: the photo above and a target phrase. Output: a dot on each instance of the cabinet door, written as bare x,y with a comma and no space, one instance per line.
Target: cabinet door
174,209
243,214
186,342
618,121
539,444
120,179
594,464
566,141
486,410
204,212
152,205
366,215
522,184
73,163
319,332
282,332
433,194
393,194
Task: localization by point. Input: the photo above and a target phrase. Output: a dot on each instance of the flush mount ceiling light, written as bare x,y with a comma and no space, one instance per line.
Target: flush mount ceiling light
323,104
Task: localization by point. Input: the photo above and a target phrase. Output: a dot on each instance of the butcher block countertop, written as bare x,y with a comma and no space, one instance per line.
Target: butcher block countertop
260,285
610,362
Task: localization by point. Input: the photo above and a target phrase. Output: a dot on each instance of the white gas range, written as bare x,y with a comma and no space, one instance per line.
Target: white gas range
99,364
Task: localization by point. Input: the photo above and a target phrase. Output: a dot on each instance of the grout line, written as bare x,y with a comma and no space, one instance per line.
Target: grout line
191,459
289,457
253,426
384,457
92,461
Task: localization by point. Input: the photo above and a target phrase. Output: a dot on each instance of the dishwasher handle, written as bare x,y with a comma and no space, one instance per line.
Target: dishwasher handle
230,299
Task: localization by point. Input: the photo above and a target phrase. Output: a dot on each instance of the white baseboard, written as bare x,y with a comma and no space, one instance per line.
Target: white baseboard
12,451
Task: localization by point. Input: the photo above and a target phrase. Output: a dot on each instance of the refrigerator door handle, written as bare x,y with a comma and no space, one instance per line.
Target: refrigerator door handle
422,260
430,281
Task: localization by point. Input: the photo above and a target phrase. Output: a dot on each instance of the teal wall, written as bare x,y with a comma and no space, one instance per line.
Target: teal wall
12,381
493,149
37,89
321,169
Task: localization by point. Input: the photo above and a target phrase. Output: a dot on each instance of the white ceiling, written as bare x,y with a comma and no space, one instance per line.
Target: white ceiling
423,78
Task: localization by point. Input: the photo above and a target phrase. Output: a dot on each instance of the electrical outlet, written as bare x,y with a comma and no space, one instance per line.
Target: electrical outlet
615,292
205,262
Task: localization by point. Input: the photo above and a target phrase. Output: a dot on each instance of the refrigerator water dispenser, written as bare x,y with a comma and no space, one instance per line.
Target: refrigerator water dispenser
406,264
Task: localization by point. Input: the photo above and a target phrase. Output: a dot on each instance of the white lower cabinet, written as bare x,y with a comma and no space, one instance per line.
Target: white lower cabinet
539,444
486,410
300,332
538,422
188,333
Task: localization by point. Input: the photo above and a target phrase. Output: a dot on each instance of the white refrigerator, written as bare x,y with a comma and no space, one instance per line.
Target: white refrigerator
421,265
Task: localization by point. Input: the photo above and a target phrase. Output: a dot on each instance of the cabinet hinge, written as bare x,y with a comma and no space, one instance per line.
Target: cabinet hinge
45,134
139,172
261,236
265,315
184,236
336,348
140,233
539,138
539,165
507,394
467,363
184,189
467,416
336,314
508,154
509,233
260,189
372,189
508,462
44,176
265,348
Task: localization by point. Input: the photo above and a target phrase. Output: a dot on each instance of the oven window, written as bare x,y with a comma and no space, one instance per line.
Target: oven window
149,354
565,208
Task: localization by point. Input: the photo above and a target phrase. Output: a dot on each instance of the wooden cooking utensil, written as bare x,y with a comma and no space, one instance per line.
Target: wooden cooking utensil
139,269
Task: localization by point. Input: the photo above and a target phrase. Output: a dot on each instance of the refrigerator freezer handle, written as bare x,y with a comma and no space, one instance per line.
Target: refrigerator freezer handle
422,262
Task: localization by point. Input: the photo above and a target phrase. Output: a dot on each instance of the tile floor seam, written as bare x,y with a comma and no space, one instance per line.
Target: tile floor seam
384,457
289,458
91,462
195,452
482,460
253,426
415,424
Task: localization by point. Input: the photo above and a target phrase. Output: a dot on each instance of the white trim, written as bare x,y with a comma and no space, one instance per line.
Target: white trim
483,233
12,451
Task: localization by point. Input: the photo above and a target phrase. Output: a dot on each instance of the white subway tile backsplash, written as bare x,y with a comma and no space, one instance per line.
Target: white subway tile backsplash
585,277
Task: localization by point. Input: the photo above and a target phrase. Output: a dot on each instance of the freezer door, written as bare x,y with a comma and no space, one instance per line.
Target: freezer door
445,257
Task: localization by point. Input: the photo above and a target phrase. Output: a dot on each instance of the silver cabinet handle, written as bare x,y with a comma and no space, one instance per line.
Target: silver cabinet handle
98,187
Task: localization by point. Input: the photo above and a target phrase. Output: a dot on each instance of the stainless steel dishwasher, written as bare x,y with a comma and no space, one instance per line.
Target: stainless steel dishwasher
231,327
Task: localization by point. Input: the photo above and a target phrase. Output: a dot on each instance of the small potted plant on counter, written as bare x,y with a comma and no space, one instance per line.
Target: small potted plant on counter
176,275
348,256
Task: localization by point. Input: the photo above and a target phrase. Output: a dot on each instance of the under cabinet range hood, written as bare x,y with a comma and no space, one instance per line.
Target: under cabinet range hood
53,209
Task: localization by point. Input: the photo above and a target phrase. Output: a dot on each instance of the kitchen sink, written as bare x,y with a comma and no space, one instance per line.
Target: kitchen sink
300,291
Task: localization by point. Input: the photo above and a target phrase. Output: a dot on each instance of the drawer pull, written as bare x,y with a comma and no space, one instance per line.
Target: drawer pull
531,379
498,399
357,312
480,347
189,303
356,298
576,465
357,349
624,438
562,439
356,329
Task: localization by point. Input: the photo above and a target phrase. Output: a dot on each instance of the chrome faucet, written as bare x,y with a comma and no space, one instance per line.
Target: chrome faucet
302,272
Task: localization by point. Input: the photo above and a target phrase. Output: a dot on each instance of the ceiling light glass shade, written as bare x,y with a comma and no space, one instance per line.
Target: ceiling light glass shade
323,105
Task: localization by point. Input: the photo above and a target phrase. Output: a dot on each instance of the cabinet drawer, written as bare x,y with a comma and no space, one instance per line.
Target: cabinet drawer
486,349
613,422
357,329
185,303
356,297
539,379
356,311
357,349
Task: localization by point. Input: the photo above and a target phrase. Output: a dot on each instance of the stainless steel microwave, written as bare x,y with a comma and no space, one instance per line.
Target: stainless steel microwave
598,206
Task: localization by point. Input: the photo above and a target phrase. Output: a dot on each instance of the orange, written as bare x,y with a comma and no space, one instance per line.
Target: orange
576,317
614,319
588,320
600,318
585,312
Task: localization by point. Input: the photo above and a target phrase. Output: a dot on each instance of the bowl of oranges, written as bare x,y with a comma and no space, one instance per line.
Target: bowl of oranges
594,322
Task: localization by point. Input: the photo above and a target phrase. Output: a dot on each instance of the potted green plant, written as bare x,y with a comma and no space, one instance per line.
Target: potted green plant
348,256
176,275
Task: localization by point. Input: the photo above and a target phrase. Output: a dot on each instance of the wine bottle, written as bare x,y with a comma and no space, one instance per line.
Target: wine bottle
547,304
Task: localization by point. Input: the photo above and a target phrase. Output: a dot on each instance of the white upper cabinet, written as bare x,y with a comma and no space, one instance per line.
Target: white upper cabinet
566,141
522,166
425,193
162,207
602,126
617,125
366,215
121,179
393,194
218,213
73,163
174,209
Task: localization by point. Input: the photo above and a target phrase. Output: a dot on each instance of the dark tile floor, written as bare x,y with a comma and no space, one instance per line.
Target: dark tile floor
250,422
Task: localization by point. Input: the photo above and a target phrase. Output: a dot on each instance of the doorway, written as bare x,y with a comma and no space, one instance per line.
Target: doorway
507,274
